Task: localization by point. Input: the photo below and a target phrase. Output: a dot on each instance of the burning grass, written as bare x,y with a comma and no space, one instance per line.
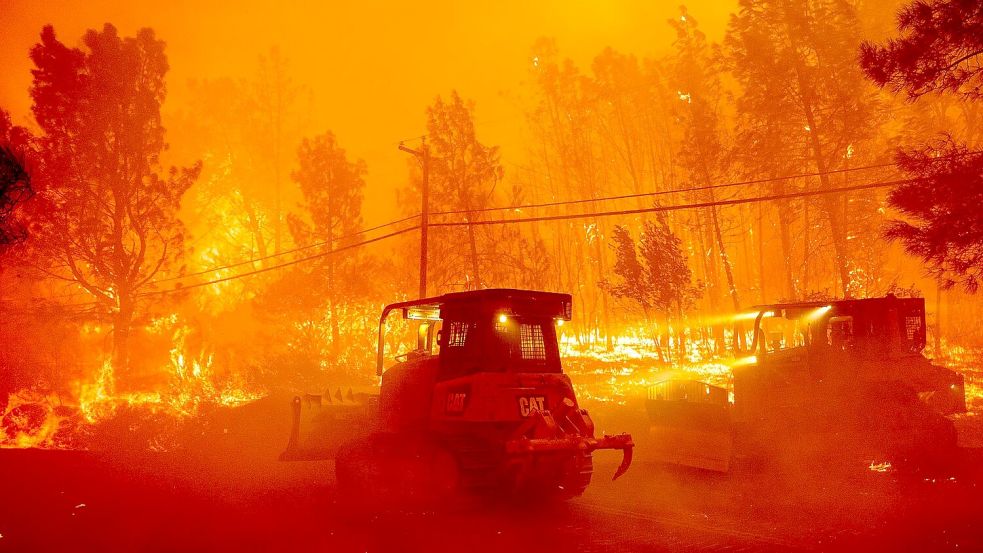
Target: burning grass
98,417
97,414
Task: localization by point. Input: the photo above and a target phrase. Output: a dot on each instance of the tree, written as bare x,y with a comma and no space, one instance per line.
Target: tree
243,129
332,188
702,148
945,227
463,176
276,97
15,181
938,51
634,284
654,273
801,87
105,220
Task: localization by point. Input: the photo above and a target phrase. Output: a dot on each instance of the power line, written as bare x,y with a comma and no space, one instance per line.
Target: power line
661,192
678,207
279,266
285,252
680,190
597,214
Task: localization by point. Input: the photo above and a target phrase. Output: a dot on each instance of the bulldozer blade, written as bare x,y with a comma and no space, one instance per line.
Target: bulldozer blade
629,452
320,424
292,451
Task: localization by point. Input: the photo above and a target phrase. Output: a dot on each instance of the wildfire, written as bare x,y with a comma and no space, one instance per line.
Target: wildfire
636,361
55,422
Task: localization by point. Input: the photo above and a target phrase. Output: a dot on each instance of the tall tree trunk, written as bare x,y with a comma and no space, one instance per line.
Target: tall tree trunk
806,245
332,313
252,223
828,202
806,91
708,263
938,319
122,321
761,254
604,297
724,259
719,238
785,236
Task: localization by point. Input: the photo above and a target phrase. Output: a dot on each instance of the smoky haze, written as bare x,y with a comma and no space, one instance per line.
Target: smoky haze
369,68
651,276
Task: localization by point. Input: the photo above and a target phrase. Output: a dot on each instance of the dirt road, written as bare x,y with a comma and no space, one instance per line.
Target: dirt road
74,501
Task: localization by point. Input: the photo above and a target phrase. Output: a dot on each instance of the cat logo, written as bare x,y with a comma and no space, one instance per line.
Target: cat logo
531,403
455,403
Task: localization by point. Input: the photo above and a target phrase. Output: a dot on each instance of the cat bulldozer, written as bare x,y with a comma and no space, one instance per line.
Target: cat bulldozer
816,380
489,413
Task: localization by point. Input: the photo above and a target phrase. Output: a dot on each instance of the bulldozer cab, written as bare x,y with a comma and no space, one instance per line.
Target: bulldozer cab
496,330
879,328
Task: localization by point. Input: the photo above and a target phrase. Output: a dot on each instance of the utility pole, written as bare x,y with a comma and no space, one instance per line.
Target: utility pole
423,154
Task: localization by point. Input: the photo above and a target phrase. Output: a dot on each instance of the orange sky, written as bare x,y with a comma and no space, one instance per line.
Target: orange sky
372,66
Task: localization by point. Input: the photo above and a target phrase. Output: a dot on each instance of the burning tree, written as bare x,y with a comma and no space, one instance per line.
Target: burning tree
332,186
105,216
703,145
796,60
245,131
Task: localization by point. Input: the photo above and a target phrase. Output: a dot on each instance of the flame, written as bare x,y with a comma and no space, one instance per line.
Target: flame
882,466
190,384
637,360
16,431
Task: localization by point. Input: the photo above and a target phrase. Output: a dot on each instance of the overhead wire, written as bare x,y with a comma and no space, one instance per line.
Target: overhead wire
278,266
661,192
569,216
286,252
677,207
681,190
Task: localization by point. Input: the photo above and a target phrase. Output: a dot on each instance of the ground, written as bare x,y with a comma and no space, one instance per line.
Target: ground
234,496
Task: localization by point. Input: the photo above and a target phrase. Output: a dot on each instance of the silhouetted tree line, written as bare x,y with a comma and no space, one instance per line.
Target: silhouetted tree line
783,94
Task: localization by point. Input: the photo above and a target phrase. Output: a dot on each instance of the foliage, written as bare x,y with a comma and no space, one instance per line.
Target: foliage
944,227
105,216
938,50
332,188
15,180
654,273
804,100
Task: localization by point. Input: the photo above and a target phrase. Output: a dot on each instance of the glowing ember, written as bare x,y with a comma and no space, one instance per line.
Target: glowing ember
882,466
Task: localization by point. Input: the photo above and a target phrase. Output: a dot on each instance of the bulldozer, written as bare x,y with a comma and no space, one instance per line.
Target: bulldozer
843,379
489,413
